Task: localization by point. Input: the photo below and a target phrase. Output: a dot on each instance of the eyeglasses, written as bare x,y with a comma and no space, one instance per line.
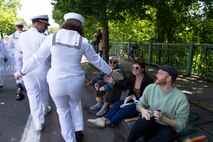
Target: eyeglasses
135,68
111,62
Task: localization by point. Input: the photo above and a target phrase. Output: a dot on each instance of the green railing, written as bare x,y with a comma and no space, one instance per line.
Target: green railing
189,58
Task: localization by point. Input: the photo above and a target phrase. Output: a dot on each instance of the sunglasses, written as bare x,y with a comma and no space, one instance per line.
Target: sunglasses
111,62
135,68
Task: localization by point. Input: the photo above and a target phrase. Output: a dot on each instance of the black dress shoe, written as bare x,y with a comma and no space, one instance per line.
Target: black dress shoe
79,136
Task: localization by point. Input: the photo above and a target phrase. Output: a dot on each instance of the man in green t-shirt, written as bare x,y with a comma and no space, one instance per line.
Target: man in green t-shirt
164,109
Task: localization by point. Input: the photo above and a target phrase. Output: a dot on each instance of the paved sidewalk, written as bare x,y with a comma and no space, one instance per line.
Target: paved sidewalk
199,93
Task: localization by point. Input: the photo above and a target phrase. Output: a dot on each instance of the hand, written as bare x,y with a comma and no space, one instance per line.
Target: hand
157,115
96,85
108,79
145,113
116,75
87,83
17,75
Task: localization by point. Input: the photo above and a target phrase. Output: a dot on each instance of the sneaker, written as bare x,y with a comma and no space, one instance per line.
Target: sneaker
47,110
96,107
102,111
98,122
39,126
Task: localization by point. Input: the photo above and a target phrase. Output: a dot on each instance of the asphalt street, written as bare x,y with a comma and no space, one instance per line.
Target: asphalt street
16,125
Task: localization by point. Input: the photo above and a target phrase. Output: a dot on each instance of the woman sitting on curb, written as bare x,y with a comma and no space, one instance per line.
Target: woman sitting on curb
136,84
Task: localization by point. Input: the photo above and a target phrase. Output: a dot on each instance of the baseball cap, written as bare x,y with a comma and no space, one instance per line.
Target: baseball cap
73,15
170,69
113,58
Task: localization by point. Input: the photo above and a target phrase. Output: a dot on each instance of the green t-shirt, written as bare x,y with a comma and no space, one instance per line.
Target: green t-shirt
173,104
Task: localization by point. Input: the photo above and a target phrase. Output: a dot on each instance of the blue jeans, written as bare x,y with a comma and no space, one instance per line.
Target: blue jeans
116,113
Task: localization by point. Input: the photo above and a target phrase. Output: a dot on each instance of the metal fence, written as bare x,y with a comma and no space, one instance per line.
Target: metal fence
189,58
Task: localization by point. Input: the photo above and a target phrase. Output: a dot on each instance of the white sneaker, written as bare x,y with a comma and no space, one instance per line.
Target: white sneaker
98,122
38,126
47,110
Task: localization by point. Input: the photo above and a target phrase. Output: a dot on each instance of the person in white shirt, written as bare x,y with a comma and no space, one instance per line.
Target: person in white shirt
13,39
35,82
66,76
3,59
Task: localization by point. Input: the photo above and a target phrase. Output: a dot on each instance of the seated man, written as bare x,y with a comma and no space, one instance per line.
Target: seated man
163,107
106,90
136,83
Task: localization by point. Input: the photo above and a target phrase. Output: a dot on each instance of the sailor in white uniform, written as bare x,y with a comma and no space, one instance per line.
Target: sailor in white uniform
3,59
35,82
13,39
66,75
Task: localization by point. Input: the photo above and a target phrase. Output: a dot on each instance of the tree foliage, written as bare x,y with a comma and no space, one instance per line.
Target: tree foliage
100,11
150,20
8,14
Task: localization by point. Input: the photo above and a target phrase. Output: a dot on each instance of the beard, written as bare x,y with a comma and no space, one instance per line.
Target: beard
160,81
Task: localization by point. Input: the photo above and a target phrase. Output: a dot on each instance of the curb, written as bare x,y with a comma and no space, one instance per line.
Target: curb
203,106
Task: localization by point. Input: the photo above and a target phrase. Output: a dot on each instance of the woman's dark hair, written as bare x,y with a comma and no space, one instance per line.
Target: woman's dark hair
73,24
141,64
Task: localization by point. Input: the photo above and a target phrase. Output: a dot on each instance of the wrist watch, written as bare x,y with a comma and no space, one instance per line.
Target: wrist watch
21,73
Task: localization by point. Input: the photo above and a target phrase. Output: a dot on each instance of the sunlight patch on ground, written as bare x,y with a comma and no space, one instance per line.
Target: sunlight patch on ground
2,103
186,92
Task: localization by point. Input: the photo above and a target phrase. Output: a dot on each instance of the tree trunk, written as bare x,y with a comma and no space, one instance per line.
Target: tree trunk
1,34
105,38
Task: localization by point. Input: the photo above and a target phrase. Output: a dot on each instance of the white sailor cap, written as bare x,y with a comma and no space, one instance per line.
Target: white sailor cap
73,15
41,18
19,23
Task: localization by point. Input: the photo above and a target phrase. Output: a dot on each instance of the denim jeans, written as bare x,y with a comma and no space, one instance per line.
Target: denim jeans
116,113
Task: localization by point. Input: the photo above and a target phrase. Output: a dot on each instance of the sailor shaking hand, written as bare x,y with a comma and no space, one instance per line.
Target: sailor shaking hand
66,75
35,82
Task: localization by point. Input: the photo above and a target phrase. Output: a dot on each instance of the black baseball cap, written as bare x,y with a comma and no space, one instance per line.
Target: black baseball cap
170,69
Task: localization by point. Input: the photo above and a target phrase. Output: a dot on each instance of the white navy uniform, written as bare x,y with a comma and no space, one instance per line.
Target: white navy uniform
35,82
13,39
3,55
66,75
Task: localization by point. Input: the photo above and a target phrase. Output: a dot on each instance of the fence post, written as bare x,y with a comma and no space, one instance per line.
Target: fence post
190,59
128,49
150,53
